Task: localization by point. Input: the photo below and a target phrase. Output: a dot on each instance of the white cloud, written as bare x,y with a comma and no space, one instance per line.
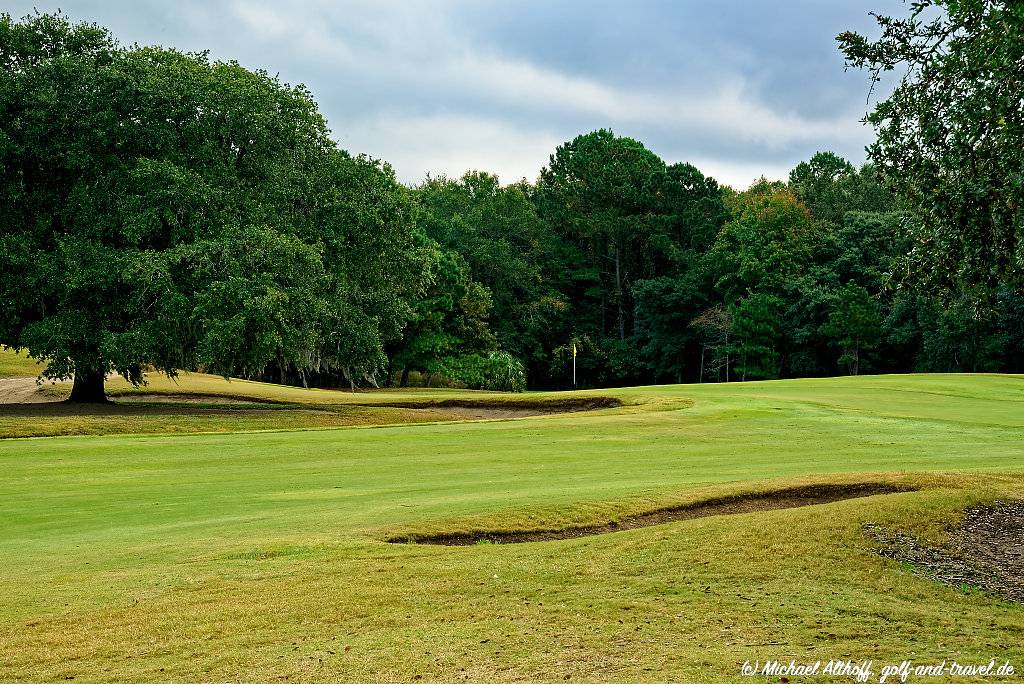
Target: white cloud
452,144
426,86
740,175
410,46
726,109
274,23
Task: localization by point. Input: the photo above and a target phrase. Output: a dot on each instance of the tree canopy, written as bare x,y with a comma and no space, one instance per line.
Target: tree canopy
164,209
951,137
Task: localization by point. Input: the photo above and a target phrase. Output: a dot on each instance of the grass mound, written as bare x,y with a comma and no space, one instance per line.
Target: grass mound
734,504
17,364
200,403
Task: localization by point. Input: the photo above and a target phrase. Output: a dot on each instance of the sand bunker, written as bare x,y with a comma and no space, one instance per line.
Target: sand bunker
793,497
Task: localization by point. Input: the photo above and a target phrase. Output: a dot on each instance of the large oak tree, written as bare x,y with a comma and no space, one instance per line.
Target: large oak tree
161,208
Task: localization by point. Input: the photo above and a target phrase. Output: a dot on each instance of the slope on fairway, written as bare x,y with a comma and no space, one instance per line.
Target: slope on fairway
17,364
260,556
198,402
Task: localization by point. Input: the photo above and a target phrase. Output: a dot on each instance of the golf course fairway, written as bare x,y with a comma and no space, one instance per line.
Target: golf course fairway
196,557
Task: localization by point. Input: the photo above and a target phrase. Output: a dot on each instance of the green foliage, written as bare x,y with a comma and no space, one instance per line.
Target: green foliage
817,182
222,228
830,186
1010,323
714,328
163,208
765,246
599,194
449,320
691,207
379,267
498,234
855,322
951,136
664,309
756,333
958,336
619,217
497,371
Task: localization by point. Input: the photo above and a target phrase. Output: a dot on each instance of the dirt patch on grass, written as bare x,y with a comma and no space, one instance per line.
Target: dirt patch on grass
986,551
794,497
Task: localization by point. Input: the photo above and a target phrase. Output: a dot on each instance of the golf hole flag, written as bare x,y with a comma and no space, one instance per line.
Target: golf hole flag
573,364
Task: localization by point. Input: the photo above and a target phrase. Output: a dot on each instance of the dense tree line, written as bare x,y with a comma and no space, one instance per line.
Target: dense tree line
161,209
658,274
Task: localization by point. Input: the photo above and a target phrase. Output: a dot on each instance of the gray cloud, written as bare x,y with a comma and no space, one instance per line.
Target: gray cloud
739,88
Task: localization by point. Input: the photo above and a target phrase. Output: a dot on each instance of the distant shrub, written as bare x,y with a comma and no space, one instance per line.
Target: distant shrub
497,371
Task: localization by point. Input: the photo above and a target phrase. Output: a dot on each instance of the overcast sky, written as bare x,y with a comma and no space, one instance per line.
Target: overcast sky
739,88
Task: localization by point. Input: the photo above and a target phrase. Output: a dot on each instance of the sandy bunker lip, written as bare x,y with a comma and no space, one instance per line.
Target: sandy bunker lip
446,409
792,497
460,407
524,404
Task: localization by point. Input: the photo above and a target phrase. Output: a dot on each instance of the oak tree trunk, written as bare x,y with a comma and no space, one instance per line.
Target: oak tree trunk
88,387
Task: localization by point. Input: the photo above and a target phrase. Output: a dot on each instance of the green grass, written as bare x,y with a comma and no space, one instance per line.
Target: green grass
17,364
258,556
43,420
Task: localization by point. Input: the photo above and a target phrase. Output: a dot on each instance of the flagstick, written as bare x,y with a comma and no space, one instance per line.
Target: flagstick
574,365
